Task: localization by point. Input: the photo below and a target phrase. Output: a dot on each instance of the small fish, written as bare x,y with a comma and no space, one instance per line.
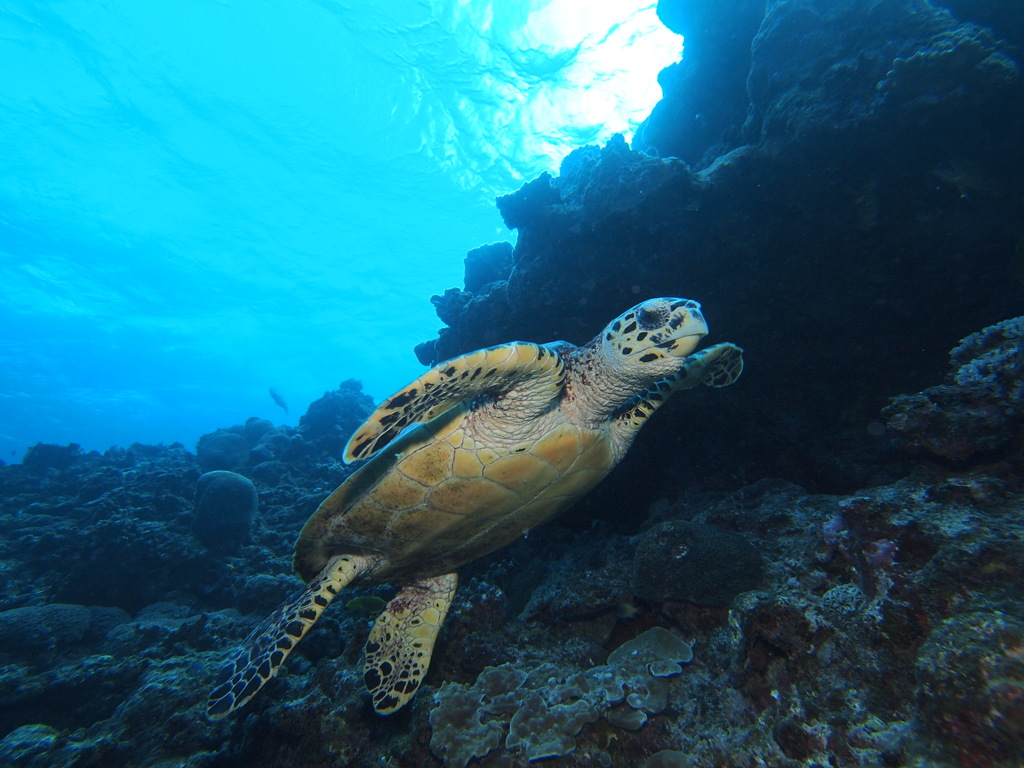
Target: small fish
366,604
627,609
968,178
276,396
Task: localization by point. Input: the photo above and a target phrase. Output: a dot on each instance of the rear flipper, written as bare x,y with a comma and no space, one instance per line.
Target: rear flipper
265,650
402,640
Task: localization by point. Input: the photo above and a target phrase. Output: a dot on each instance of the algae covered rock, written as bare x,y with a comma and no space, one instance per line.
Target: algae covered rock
37,628
977,409
329,421
970,674
28,745
539,714
704,564
225,449
43,456
225,507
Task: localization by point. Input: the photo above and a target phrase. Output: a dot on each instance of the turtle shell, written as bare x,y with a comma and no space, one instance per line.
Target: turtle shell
438,497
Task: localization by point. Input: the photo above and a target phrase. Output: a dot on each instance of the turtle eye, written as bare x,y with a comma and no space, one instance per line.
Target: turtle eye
651,318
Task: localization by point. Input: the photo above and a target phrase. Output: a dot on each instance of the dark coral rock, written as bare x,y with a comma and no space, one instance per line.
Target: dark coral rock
255,429
487,264
855,178
269,472
225,507
705,564
238,448
546,708
533,198
111,562
486,287
331,420
1004,19
34,630
797,740
101,481
28,745
42,456
64,693
449,305
777,629
978,409
225,449
971,687
591,580
705,97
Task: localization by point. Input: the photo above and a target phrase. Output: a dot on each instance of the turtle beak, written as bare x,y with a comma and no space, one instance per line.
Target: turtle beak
686,328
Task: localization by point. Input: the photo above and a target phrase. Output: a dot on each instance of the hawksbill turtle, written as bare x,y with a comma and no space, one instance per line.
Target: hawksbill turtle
465,459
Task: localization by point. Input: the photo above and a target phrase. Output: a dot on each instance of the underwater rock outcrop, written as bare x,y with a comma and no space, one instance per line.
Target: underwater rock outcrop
704,564
225,507
330,420
978,409
970,674
836,182
538,714
870,608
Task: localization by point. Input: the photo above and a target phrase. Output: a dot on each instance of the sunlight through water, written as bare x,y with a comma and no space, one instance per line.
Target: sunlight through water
201,200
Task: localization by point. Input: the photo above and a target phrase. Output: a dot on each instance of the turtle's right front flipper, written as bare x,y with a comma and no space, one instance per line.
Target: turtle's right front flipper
495,371
717,366
266,648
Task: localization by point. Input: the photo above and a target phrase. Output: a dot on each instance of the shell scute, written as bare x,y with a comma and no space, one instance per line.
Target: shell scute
467,464
474,496
521,472
560,449
398,492
423,524
429,464
487,455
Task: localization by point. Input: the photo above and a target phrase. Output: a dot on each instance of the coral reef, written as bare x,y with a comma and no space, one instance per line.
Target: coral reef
225,507
538,714
978,409
700,563
334,417
970,674
880,627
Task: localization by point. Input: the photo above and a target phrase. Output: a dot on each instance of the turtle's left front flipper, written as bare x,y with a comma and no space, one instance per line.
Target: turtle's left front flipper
402,639
266,648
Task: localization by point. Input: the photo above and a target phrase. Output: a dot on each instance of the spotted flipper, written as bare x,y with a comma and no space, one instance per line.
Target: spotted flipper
266,648
717,366
402,639
494,371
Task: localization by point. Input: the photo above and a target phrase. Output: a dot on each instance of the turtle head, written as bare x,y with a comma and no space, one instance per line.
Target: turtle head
649,340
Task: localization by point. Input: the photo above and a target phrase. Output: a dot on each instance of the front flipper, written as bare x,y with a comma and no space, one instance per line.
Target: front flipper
402,640
266,648
494,370
717,366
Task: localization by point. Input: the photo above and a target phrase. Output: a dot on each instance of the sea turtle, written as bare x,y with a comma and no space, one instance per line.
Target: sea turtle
467,458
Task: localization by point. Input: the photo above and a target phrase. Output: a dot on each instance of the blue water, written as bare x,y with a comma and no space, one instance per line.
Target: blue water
201,199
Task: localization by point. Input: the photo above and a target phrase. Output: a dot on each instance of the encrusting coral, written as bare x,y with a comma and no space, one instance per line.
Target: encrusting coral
539,713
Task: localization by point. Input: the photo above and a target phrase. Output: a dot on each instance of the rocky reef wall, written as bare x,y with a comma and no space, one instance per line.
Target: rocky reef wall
837,182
